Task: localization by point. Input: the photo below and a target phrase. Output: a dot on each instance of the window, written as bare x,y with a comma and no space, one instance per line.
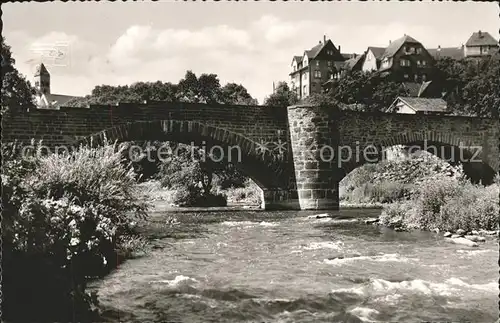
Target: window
317,74
415,77
329,63
424,63
424,77
305,76
419,50
317,63
406,76
304,91
329,52
404,62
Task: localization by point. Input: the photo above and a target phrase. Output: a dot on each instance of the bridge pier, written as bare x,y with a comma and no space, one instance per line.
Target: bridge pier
279,199
314,140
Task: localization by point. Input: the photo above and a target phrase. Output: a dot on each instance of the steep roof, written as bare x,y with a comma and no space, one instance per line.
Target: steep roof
41,69
351,63
348,56
377,51
424,104
413,88
54,100
396,45
298,59
311,54
452,52
481,38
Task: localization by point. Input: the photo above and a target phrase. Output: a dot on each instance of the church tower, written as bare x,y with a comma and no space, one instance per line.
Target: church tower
42,80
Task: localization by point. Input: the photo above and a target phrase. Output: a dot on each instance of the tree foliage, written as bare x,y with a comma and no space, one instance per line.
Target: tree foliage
190,170
472,85
16,90
203,89
283,96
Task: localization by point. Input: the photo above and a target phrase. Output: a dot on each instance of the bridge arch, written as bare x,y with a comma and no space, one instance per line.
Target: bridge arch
262,167
449,147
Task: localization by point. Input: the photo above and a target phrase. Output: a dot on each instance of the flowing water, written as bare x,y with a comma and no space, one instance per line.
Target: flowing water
256,266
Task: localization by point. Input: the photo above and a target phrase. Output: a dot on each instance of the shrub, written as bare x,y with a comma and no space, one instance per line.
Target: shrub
249,194
193,196
380,192
448,204
64,219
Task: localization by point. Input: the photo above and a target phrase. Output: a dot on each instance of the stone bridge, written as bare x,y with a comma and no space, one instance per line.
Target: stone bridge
297,155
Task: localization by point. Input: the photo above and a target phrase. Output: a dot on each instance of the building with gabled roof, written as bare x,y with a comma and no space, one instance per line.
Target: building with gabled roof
44,98
451,52
410,105
480,44
373,57
315,67
407,60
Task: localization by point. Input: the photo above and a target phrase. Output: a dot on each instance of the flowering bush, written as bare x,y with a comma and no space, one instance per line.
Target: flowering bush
64,219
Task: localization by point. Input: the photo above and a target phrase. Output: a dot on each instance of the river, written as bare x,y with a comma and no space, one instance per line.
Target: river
257,266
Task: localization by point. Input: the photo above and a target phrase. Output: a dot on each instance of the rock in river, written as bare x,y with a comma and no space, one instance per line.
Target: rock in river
371,221
463,241
460,232
472,238
319,216
447,234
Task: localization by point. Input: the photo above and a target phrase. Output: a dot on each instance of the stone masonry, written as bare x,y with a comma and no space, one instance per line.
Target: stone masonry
297,155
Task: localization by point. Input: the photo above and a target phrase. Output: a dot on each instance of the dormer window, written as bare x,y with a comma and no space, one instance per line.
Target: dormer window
419,50
409,50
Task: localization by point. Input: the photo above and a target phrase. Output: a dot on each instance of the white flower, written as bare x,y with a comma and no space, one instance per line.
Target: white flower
74,241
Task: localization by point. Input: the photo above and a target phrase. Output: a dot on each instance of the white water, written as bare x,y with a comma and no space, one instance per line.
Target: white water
283,267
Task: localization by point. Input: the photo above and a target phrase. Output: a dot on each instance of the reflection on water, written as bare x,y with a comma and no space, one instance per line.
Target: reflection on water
283,267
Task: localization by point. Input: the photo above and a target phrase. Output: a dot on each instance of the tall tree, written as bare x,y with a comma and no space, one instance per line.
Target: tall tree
283,96
233,93
16,90
205,89
482,93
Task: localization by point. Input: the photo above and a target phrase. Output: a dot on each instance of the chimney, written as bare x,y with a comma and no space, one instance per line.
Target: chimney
339,48
389,41
324,39
320,42
439,48
480,34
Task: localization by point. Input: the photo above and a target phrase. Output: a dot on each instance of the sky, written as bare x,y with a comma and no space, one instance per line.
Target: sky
249,43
